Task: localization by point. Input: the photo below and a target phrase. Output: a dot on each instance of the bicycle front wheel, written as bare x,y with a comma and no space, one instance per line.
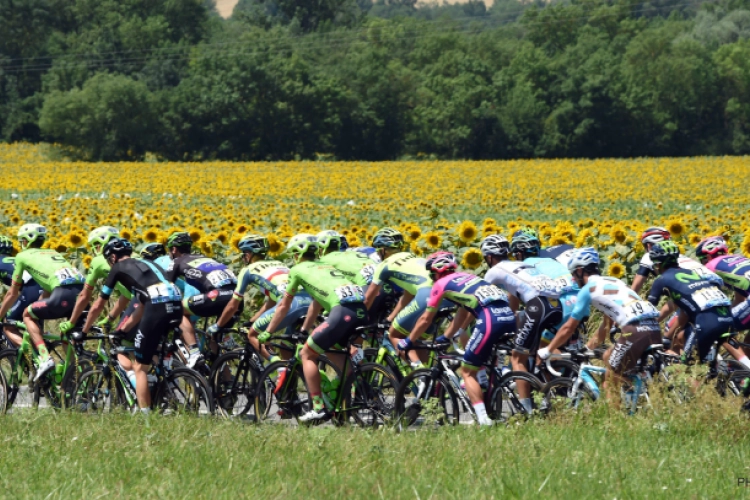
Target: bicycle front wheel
18,374
426,397
233,383
560,397
183,391
369,395
505,400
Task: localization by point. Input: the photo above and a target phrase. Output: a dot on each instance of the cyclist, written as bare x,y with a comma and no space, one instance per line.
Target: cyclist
55,275
704,308
561,253
271,278
98,270
636,317
547,300
477,300
356,266
160,311
406,271
30,292
646,268
734,270
214,281
342,300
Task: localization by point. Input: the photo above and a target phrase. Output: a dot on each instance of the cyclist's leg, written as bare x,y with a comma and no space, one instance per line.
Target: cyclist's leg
123,359
29,295
58,305
625,353
407,319
208,305
298,309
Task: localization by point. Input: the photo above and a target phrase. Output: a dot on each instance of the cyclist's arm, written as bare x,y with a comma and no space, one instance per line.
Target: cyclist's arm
10,298
84,298
405,299
682,320
267,304
95,311
229,311
601,333
513,302
133,319
280,313
372,291
564,334
667,309
120,306
423,323
460,320
638,281
312,315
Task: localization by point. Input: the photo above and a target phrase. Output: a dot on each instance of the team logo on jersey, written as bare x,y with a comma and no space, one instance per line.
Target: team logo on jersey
213,294
193,273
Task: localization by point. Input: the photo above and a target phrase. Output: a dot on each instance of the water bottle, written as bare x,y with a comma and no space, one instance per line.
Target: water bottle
59,370
482,378
590,382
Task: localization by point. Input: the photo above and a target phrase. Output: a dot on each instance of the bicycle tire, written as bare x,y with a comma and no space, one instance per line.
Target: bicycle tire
734,384
558,397
182,391
505,403
18,380
371,355
429,384
283,401
369,394
238,398
94,393
3,394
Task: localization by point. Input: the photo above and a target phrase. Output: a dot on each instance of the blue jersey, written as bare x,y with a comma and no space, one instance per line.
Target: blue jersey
568,288
7,266
185,289
693,290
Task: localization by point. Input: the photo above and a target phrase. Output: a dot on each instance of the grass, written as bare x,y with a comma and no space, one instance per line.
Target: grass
695,451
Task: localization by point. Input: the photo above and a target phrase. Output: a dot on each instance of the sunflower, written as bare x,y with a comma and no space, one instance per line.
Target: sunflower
467,231
413,233
616,269
275,245
87,261
415,249
126,233
745,246
206,249
618,233
676,228
694,239
76,240
558,239
60,247
235,242
196,235
472,258
151,235
433,239
222,237
353,240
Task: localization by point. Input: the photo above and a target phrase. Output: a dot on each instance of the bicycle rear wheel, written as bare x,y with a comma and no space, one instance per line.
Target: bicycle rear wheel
559,397
233,382
280,398
505,402
183,391
426,397
3,394
738,384
370,394
18,379
96,392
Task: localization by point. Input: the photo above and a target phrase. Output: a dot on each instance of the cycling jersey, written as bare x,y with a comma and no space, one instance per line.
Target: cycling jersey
371,252
270,276
468,291
404,270
615,299
202,272
145,279
29,293
325,284
356,266
734,270
7,267
646,266
185,289
526,281
561,253
98,270
693,290
47,267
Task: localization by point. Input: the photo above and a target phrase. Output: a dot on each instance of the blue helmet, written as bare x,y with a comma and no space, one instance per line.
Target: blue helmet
584,258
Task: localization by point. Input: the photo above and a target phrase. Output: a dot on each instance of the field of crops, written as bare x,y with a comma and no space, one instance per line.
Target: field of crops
451,205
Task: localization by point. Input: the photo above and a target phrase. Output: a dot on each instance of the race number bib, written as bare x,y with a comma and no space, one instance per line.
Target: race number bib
221,277
489,293
68,276
367,273
350,293
163,292
706,298
639,310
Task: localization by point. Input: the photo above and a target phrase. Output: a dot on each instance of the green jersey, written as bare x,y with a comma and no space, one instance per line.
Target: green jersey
404,270
47,267
325,284
357,267
98,270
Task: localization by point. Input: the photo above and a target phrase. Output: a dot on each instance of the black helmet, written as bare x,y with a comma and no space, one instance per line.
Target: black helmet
180,240
254,243
152,251
118,247
664,253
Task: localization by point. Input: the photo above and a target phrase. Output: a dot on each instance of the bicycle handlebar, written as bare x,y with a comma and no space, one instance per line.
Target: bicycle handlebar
553,357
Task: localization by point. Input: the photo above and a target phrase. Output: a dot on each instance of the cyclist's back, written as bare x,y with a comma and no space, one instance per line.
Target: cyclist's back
356,266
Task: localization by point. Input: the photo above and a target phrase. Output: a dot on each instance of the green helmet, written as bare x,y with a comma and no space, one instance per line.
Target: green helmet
100,237
151,251
179,239
301,244
32,232
664,252
388,237
325,238
254,243
6,245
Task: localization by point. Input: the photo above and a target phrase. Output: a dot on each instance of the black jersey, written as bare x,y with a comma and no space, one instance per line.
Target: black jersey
145,279
693,290
203,273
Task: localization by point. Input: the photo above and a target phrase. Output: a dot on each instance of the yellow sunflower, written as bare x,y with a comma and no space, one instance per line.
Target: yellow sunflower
235,241
222,237
87,261
76,240
413,233
433,239
151,235
275,245
676,228
616,269
60,247
242,228
694,239
467,231
472,258
126,233
618,233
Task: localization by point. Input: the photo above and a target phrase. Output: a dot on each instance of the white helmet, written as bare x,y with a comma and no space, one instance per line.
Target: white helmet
31,233
583,257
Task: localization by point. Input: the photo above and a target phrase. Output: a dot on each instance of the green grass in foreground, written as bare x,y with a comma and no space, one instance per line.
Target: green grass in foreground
697,451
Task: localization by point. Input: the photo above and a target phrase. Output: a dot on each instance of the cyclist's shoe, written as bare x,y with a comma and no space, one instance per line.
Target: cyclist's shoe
313,415
194,359
44,367
486,422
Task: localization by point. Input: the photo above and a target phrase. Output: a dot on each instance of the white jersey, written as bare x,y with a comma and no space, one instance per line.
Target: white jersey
522,280
683,261
615,299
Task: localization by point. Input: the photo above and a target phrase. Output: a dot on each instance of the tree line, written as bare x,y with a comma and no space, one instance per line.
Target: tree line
376,79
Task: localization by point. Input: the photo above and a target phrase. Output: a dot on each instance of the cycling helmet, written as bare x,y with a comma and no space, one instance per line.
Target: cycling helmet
441,263
254,243
6,245
151,251
301,244
495,245
118,247
326,238
525,243
654,235
528,231
584,258
100,237
388,238
711,247
179,239
31,233
664,252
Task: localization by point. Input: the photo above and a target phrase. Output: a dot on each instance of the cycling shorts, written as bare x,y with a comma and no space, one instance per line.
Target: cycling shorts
58,305
158,319
632,343
205,305
29,294
707,328
126,314
338,327
493,324
298,309
540,313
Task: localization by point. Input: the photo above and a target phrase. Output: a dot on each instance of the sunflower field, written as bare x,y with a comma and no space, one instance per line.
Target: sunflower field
437,204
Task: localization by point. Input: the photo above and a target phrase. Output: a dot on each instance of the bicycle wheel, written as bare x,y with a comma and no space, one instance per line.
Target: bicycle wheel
738,384
18,379
96,392
370,394
233,381
183,391
505,402
424,397
285,398
559,397
371,356
3,394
